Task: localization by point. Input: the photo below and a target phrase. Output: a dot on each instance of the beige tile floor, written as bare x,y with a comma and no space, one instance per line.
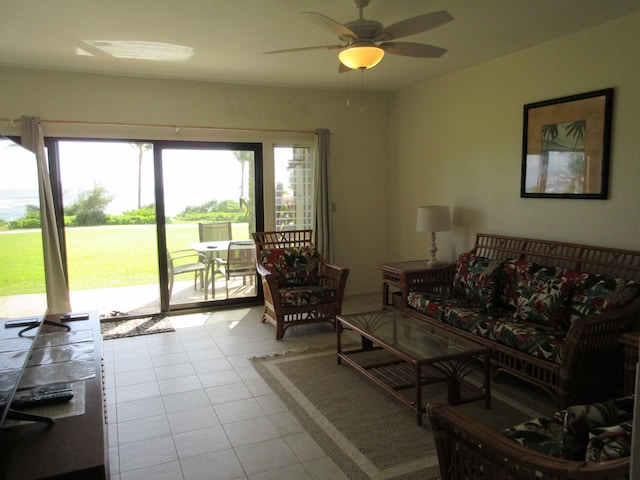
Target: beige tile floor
189,405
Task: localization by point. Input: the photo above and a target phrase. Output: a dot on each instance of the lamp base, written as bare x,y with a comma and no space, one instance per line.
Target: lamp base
433,261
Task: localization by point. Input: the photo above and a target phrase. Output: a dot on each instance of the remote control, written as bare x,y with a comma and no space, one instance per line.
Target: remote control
43,396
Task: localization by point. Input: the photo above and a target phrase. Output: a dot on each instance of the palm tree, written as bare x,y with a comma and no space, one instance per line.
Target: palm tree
141,147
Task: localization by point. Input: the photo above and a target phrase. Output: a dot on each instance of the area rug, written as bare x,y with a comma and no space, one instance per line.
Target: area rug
363,429
135,326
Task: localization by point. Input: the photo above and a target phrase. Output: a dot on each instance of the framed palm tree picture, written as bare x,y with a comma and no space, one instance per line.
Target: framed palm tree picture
566,144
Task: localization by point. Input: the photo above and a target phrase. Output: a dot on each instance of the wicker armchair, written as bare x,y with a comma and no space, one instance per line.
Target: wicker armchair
469,450
300,287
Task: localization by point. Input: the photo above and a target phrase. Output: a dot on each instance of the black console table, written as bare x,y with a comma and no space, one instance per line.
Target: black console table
74,446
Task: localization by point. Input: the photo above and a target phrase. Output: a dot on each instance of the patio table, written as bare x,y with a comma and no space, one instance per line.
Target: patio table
217,251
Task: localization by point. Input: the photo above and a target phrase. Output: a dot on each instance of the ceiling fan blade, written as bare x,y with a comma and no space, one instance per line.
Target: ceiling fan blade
302,49
414,25
408,49
331,25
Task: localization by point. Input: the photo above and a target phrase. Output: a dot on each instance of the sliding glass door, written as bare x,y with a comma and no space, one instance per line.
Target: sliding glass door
132,213
210,210
108,199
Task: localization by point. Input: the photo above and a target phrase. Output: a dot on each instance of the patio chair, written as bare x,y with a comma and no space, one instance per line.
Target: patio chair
241,262
300,287
186,261
214,232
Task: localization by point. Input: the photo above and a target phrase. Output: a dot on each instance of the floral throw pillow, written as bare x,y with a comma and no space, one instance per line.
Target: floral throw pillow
543,300
537,293
476,279
596,294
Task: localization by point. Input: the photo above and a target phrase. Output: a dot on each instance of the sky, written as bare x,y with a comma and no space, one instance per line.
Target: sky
191,177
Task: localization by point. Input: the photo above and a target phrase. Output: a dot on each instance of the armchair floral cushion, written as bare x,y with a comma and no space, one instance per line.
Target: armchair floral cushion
296,269
292,266
581,420
607,443
307,295
593,432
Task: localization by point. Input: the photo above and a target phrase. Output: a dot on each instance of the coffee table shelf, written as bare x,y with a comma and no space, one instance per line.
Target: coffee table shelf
400,353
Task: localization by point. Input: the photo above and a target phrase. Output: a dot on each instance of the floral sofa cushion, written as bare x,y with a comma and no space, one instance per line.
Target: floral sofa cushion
596,294
535,339
434,305
476,279
292,266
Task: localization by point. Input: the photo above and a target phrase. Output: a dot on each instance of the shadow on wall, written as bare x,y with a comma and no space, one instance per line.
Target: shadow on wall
466,223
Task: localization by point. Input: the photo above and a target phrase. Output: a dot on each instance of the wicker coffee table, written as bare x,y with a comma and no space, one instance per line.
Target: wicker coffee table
399,352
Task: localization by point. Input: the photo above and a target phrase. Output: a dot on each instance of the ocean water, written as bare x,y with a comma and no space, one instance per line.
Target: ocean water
13,203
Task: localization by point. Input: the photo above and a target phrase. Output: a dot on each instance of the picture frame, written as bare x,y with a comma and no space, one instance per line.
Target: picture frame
566,145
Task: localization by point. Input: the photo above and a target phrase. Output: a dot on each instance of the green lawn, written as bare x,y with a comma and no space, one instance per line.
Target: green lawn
100,257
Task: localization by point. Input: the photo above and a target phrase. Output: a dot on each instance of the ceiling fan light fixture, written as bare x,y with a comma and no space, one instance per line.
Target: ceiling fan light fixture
359,57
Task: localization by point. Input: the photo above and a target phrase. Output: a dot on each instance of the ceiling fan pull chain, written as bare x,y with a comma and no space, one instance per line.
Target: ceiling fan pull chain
361,90
348,89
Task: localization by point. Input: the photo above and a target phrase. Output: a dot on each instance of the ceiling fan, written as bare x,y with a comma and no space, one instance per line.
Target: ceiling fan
366,41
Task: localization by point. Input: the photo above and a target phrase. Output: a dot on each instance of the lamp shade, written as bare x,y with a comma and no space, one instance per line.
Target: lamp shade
433,218
364,56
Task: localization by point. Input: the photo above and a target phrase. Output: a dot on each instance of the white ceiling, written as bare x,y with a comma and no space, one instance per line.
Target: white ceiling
224,39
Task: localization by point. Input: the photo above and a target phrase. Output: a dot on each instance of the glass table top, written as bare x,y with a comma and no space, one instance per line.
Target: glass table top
407,334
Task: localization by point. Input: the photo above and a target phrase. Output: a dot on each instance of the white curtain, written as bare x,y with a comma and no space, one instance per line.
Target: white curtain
322,226
57,289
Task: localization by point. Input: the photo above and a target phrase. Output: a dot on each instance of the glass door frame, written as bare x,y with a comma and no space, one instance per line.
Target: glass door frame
159,146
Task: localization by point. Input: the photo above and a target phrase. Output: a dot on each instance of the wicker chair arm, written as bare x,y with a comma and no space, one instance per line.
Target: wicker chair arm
465,445
269,286
591,342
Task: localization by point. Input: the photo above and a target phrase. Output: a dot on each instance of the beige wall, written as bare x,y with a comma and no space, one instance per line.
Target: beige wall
457,140
358,142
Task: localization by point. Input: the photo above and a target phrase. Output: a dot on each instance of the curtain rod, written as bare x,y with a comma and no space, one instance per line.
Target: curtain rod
152,125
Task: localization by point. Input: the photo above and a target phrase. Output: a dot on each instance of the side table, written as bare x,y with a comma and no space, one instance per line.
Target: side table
631,342
395,276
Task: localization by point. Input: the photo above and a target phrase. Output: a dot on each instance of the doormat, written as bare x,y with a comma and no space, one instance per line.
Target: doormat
135,326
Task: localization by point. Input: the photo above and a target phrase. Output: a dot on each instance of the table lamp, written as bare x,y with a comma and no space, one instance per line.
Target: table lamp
433,218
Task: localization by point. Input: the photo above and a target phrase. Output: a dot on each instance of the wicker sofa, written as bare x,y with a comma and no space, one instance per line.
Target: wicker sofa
470,450
551,312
